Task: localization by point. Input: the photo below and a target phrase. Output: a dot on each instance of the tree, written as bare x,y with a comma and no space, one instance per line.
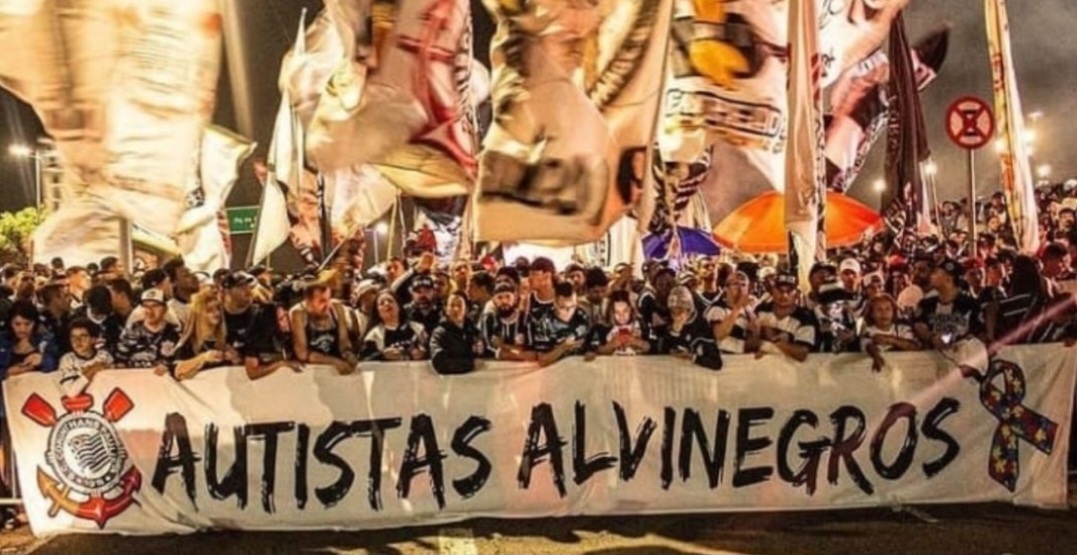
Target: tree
15,231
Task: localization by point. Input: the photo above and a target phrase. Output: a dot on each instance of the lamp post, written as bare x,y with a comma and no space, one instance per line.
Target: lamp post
879,186
24,151
931,170
379,229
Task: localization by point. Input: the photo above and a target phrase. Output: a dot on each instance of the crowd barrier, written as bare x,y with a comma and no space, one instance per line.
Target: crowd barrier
396,444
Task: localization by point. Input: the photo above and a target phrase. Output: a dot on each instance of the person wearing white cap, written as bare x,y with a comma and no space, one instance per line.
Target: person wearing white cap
850,273
150,342
364,295
689,337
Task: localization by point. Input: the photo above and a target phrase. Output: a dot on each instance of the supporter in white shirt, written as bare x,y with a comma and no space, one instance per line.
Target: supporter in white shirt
85,360
883,331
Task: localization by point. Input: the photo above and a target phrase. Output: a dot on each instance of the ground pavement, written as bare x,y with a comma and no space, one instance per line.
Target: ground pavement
954,529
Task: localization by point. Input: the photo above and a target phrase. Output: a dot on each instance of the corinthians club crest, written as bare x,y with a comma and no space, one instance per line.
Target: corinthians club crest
92,477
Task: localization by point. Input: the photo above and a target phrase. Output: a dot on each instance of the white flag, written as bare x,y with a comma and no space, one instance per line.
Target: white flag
805,187
200,236
1017,181
273,222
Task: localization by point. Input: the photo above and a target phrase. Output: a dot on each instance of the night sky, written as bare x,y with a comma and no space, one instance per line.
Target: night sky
1045,50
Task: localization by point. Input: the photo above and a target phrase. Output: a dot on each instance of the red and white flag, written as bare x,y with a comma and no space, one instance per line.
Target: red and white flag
805,176
1017,183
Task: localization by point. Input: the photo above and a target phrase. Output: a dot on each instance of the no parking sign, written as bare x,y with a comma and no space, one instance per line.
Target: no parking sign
970,123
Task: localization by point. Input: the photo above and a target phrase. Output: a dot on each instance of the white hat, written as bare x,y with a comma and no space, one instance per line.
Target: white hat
849,264
365,286
153,295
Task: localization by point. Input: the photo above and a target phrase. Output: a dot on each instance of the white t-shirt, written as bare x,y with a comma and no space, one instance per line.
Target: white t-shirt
70,370
901,331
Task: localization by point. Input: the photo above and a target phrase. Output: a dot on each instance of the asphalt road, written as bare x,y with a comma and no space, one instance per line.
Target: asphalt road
953,529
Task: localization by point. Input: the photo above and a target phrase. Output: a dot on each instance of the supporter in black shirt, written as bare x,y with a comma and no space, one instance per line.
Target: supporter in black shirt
653,309
561,331
150,342
55,304
251,329
97,308
502,325
947,314
689,337
423,308
480,289
204,345
455,343
393,337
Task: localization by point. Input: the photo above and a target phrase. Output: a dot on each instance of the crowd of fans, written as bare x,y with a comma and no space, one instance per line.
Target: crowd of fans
898,292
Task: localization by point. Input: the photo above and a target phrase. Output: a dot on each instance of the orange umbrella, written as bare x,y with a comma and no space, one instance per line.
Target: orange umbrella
758,226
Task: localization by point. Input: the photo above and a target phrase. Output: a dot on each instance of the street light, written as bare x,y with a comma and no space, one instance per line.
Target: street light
24,151
381,228
20,151
1043,171
879,185
931,168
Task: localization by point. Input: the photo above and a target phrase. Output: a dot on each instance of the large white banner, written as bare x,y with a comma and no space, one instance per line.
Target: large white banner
397,445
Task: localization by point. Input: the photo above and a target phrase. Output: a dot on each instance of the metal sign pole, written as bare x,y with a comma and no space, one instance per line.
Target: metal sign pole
972,199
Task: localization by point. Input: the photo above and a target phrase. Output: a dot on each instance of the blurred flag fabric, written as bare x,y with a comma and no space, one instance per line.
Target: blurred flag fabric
805,174
203,235
125,89
904,201
576,91
729,75
1017,183
859,110
402,100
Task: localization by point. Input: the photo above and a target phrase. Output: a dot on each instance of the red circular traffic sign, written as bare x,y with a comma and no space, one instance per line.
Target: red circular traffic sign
970,123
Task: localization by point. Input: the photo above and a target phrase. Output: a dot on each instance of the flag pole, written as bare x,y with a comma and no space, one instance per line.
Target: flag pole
257,226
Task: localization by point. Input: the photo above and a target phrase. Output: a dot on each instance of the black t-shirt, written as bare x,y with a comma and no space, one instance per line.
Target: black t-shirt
950,321
187,352
510,332
547,331
252,332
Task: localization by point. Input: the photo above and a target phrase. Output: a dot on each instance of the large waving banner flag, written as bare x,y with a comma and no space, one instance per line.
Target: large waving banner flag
576,90
401,98
729,68
1017,183
201,236
397,445
125,88
805,174
905,201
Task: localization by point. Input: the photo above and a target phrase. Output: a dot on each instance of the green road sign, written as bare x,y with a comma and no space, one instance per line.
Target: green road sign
241,219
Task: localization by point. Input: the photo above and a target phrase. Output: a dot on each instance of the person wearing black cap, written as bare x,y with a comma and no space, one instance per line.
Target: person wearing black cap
423,308
502,326
251,329
947,314
782,326
820,273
